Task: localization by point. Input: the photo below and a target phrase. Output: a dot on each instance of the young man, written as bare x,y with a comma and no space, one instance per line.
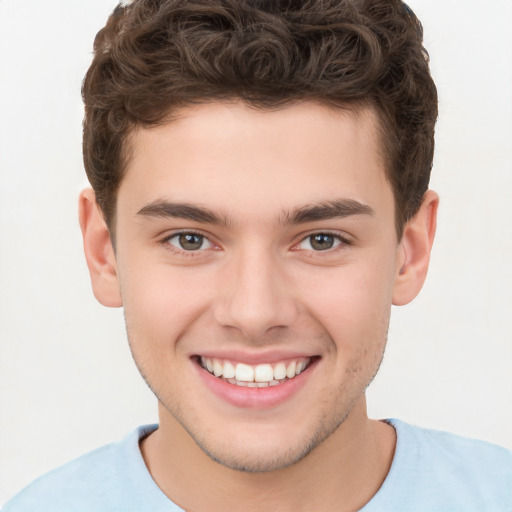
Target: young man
259,200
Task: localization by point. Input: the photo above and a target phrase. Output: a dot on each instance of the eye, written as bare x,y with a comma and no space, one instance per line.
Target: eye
320,242
189,242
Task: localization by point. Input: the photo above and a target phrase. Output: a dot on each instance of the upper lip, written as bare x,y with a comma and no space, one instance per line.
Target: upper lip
254,358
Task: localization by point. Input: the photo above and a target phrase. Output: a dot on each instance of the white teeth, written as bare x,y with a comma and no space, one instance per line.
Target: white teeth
263,373
229,371
290,371
244,372
217,368
280,371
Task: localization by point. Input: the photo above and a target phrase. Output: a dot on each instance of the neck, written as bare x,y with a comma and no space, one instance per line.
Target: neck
343,473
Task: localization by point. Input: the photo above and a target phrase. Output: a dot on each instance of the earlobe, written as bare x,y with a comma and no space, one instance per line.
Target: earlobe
99,251
413,253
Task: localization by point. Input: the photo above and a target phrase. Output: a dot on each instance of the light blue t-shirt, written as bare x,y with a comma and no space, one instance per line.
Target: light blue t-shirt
431,472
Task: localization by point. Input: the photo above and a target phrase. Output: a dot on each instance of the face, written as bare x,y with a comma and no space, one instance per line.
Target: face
256,255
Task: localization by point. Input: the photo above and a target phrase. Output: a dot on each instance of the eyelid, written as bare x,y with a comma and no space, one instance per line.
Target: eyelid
167,238
343,240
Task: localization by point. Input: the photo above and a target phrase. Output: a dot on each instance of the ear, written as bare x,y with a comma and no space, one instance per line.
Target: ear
413,253
99,251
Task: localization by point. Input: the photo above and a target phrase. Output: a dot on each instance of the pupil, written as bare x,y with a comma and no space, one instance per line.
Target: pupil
322,242
191,242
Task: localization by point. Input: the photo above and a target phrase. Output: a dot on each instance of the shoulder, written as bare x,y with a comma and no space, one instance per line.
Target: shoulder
65,486
452,451
95,481
446,470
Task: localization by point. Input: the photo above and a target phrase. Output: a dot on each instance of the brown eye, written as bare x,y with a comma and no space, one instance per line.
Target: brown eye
189,242
320,242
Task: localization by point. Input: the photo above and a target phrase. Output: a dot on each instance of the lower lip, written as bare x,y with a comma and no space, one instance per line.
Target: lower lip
255,398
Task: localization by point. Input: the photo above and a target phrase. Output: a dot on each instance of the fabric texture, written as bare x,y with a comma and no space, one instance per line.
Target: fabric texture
431,472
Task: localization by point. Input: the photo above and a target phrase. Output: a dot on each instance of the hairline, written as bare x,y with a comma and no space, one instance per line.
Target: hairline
356,108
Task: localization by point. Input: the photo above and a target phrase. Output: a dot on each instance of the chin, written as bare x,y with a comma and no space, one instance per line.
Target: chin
257,461
262,452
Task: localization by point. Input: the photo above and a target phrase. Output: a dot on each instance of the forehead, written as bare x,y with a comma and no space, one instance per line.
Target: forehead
234,157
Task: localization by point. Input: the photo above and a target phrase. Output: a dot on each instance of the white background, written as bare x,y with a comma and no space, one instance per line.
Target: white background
67,382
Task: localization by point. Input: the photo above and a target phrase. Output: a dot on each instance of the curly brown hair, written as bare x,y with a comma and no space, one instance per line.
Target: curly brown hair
154,56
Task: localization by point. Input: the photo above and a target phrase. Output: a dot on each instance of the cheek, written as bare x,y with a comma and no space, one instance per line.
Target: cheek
158,310
353,303
160,302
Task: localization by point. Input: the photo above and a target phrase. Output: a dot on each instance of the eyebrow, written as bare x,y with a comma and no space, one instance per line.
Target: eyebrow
310,213
185,211
329,210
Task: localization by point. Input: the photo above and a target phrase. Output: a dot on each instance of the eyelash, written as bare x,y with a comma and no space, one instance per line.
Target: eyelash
343,242
337,237
182,252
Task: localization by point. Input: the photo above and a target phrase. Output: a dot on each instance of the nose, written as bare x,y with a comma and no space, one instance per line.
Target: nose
254,295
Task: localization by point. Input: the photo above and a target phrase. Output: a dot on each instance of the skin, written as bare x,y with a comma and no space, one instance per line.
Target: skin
257,287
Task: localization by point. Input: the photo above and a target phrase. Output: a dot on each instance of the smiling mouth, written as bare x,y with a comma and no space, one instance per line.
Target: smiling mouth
255,376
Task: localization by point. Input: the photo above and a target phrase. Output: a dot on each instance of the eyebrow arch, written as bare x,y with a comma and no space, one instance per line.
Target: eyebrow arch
163,209
329,210
310,213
